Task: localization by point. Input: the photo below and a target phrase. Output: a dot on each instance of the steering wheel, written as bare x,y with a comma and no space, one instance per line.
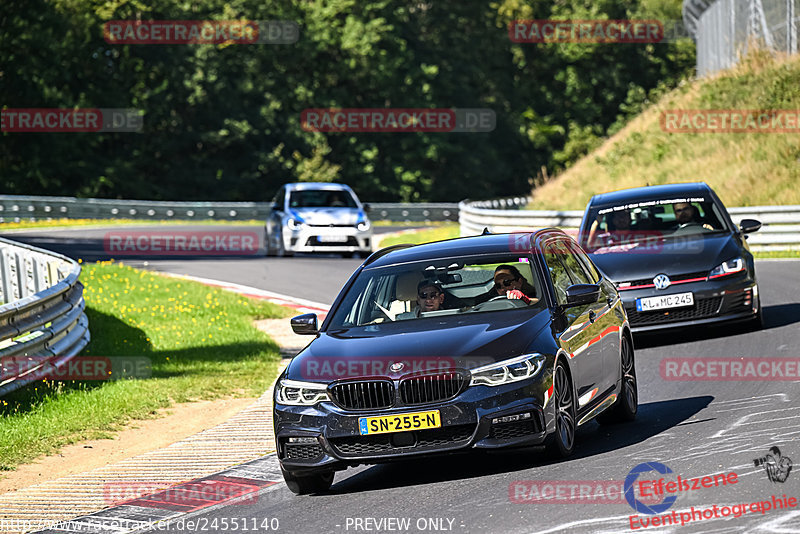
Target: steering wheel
497,298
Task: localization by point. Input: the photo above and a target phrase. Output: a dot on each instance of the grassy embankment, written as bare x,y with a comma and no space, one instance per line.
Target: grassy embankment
745,169
201,343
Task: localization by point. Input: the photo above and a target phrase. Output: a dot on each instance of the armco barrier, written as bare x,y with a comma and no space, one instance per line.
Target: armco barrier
41,311
780,228
14,208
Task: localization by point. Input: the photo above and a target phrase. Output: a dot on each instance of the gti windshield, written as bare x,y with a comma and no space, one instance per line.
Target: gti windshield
321,198
438,288
618,227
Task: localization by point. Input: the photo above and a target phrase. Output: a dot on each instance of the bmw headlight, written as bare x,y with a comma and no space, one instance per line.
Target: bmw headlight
508,371
727,267
296,393
294,224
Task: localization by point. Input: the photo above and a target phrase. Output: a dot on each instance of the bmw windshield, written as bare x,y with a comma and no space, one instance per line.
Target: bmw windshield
437,288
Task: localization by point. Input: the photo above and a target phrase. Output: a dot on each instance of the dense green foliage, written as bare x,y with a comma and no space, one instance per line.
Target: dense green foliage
222,121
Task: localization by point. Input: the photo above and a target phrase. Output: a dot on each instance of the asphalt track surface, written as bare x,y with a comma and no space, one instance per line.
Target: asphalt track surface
696,428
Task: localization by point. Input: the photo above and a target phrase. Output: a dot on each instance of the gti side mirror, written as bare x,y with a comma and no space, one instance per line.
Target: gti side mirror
367,208
276,207
305,324
582,294
749,225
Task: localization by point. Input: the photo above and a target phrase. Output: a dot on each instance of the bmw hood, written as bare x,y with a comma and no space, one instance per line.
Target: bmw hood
328,216
400,349
671,256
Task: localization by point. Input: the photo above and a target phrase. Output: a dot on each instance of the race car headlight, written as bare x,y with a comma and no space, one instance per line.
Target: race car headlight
296,393
363,226
508,371
294,224
727,267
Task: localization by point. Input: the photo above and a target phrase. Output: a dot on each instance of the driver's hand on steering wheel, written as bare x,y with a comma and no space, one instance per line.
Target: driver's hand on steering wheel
517,294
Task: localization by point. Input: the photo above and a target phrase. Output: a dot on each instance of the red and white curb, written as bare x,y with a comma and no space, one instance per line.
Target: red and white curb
175,506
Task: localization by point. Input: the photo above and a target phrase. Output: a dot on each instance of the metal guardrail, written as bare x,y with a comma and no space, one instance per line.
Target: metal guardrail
780,228
42,315
16,208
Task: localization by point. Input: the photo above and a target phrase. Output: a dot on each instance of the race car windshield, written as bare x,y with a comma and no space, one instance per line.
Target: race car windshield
438,288
322,198
630,224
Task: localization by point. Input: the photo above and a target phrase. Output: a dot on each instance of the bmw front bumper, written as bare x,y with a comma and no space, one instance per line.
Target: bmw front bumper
470,420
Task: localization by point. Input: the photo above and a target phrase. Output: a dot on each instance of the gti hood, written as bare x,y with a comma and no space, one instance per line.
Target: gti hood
671,256
464,342
328,216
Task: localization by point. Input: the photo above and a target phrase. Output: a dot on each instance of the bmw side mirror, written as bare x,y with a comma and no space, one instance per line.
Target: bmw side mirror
749,225
582,294
305,324
367,208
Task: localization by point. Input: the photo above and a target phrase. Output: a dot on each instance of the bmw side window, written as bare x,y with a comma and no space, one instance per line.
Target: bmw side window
558,273
574,268
588,268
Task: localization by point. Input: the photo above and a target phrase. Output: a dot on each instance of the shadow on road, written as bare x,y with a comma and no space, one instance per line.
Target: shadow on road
593,439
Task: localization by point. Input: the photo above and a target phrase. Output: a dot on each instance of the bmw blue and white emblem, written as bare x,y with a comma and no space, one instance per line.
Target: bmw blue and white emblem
662,281
395,367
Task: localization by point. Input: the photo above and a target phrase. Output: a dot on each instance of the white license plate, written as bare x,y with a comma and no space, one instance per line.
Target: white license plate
677,300
332,239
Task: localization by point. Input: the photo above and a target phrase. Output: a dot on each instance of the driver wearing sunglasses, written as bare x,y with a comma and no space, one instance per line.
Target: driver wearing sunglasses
509,283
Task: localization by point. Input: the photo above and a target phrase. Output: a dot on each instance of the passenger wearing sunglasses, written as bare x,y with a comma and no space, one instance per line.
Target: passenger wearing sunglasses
430,297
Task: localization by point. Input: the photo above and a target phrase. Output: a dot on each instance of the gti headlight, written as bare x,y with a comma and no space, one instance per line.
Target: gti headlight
363,226
296,393
727,267
294,224
508,371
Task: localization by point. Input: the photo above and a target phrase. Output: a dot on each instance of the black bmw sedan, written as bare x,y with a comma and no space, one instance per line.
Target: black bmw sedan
493,341
674,254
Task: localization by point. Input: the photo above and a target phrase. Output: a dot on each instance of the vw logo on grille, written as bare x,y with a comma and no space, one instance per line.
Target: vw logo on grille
662,281
395,367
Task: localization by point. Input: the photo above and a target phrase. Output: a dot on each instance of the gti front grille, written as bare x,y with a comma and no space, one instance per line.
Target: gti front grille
364,395
431,388
702,308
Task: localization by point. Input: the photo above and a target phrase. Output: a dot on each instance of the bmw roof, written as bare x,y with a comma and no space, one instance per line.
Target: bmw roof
650,192
459,246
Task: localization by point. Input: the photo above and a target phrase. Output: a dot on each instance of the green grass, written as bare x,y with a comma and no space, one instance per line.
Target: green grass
201,342
69,223
444,231
770,254
745,169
